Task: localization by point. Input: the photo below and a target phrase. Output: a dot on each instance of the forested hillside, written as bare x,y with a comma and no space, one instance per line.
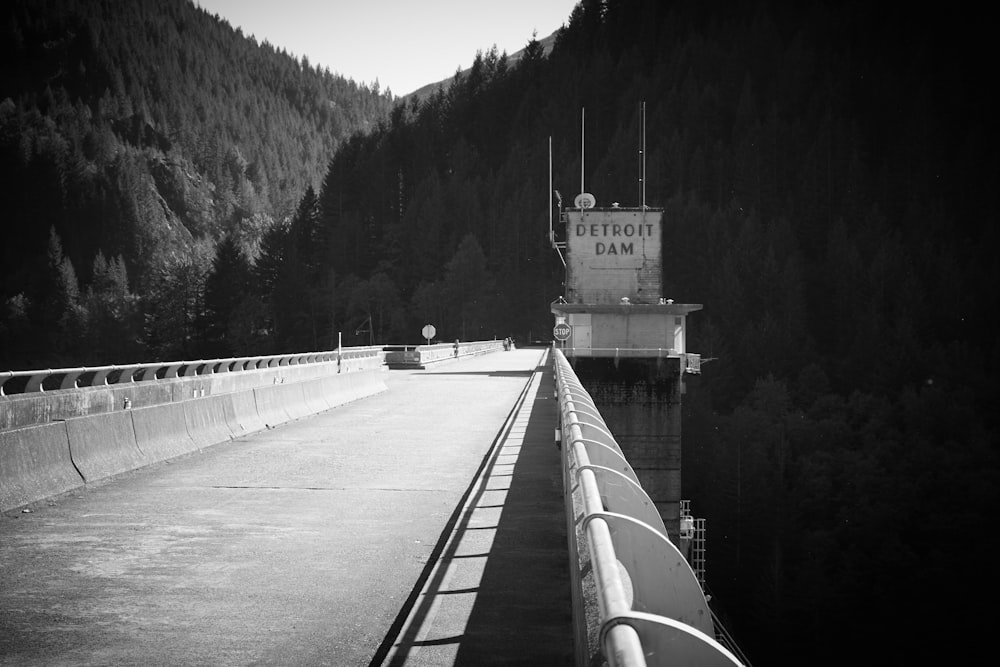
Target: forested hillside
828,173
134,135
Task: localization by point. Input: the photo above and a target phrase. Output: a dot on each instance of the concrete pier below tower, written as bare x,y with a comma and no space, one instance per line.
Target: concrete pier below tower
640,400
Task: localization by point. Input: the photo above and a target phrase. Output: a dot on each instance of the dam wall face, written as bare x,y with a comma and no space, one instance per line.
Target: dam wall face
55,441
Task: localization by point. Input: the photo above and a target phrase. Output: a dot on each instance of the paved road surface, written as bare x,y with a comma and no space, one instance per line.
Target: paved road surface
357,536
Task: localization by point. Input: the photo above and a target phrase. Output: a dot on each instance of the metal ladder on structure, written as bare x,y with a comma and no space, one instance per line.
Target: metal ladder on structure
698,551
693,530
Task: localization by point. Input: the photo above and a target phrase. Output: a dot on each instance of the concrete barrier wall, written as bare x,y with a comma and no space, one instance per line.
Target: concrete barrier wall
104,445
348,387
314,395
281,402
339,389
30,409
45,460
206,420
161,432
27,410
21,410
243,419
35,463
270,409
42,380
421,356
293,396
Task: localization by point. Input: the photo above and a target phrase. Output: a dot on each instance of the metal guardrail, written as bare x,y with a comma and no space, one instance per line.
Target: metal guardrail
651,609
26,382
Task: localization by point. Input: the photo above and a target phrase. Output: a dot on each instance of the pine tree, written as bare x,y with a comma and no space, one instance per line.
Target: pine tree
468,286
227,295
53,311
111,313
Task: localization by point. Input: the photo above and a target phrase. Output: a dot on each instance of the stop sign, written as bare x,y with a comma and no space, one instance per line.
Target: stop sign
562,331
428,331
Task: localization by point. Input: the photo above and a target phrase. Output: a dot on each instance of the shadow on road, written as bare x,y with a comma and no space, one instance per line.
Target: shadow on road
522,612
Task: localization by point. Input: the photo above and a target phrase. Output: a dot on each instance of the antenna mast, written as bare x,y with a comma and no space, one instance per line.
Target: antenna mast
552,238
558,245
642,153
583,116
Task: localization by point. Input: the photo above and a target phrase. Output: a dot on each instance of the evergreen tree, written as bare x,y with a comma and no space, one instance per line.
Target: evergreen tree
378,309
112,313
468,287
173,307
53,310
227,299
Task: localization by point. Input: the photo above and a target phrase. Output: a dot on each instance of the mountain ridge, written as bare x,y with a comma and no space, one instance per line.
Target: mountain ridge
429,89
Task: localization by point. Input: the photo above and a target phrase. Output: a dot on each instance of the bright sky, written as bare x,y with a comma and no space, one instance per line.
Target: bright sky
404,44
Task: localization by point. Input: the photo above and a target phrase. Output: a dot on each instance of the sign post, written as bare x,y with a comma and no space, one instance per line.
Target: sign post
428,332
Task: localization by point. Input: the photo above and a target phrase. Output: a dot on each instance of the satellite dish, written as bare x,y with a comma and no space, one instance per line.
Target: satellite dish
584,200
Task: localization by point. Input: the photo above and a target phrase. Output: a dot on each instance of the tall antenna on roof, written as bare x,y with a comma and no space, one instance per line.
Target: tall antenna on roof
552,238
584,199
642,154
583,115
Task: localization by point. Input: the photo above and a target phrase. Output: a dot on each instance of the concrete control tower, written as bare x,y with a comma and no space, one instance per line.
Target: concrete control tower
626,338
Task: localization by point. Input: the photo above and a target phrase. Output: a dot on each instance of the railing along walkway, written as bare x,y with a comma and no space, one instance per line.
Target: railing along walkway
636,599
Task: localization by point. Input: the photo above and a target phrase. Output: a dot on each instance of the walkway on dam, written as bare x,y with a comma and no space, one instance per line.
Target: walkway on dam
420,526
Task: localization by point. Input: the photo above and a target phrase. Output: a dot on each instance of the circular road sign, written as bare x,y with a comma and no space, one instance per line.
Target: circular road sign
562,331
428,331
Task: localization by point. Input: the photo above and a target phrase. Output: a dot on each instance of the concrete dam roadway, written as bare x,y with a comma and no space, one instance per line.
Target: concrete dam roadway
421,526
